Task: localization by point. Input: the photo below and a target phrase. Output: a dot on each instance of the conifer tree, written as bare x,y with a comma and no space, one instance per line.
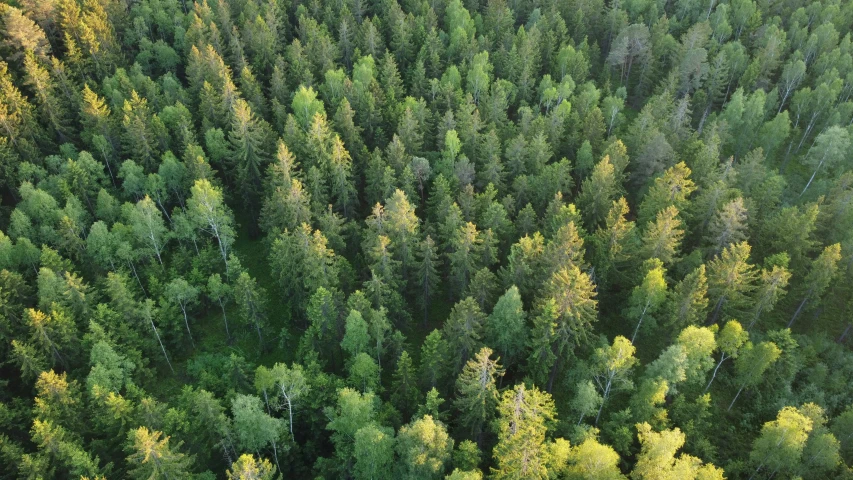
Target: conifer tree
820,275
463,331
153,457
523,415
477,393
730,279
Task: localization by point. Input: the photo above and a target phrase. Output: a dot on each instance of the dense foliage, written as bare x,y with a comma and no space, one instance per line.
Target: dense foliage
258,239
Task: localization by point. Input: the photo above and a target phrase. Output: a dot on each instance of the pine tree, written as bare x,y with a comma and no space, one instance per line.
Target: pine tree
434,359
598,192
730,279
140,135
248,468
772,283
728,225
153,457
51,106
249,298
662,237
405,394
249,139
688,301
521,451
506,329
820,275
465,255
477,393
575,303
614,243
463,331
672,189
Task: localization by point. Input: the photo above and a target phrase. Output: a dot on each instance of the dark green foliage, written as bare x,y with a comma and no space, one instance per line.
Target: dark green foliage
443,238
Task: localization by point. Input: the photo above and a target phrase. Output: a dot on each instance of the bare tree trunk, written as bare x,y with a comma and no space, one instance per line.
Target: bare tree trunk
723,358
642,315
187,323
161,344
225,317
735,399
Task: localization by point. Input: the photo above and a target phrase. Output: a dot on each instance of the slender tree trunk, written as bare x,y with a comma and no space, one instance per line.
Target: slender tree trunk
267,401
136,275
161,344
799,309
812,178
275,454
723,358
225,317
581,419
164,211
642,315
844,334
735,399
187,323
603,399
289,412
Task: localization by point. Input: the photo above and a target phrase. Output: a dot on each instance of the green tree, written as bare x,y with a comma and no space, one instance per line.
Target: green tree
426,268
780,445
424,449
830,147
820,275
657,457
662,237
751,363
729,341
523,417
208,213
688,301
253,427
248,468
405,394
591,460
356,336
648,296
506,329
576,306
772,282
434,359
672,189
477,393
220,292
292,385
153,458
148,226
598,192
352,411
249,144
374,452
180,292
730,279
250,300
611,369
463,331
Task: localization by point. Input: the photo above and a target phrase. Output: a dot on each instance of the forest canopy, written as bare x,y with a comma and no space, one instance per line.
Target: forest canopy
444,239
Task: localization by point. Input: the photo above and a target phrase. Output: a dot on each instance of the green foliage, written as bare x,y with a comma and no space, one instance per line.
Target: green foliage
407,214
